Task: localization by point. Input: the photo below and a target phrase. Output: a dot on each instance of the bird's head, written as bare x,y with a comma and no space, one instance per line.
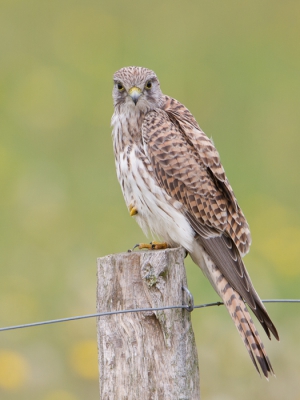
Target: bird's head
137,89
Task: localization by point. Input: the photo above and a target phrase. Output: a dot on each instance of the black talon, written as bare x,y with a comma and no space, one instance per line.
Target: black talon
137,245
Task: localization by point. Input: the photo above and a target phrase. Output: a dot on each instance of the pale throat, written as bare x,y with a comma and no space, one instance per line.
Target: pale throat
131,120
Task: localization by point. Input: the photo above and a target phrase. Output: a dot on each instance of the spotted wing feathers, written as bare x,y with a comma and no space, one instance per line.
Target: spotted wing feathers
188,164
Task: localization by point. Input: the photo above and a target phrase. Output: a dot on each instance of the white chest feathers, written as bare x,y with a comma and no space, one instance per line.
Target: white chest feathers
157,212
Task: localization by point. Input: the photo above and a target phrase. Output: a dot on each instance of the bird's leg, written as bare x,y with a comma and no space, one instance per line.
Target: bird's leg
132,210
152,246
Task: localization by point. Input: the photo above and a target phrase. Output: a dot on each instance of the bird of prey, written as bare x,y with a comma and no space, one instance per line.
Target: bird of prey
175,186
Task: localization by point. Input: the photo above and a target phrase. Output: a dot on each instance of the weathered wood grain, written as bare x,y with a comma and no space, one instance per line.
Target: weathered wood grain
145,355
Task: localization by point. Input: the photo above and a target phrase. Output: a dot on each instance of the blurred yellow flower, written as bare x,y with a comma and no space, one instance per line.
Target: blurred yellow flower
84,359
14,370
277,235
282,248
60,395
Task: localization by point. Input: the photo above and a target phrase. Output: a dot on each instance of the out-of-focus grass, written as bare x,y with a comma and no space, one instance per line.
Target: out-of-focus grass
235,65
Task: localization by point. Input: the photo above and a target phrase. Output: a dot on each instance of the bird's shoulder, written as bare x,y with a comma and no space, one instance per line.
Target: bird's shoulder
176,117
176,109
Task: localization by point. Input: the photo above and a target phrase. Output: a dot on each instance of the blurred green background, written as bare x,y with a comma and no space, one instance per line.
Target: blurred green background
236,66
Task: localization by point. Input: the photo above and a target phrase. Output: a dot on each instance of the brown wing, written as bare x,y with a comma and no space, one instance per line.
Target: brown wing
237,226
187,166
193,162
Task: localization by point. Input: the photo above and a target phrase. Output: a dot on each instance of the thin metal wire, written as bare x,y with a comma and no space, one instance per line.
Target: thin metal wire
220,303
281,301
54,321
103,314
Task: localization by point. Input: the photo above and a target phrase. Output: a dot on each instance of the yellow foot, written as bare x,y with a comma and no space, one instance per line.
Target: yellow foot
159,245
132,210
152,246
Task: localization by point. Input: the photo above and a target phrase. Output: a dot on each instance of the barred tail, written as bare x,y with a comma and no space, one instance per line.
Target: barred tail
244,324
238,312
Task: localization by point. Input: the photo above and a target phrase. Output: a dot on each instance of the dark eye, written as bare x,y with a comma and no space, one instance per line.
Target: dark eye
148,85
120,87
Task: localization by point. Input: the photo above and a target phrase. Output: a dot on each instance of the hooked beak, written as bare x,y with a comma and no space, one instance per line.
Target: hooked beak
135,93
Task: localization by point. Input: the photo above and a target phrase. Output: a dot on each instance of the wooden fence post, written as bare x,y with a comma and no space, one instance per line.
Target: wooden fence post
145,355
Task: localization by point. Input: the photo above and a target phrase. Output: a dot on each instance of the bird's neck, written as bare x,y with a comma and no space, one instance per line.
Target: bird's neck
127,126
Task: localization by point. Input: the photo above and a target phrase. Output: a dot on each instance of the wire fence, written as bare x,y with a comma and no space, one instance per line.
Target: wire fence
189,307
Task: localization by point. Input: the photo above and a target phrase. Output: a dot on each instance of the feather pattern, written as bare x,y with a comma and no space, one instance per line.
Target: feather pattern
170,171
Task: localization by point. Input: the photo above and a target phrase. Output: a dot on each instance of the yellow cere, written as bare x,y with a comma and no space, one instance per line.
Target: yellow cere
133,90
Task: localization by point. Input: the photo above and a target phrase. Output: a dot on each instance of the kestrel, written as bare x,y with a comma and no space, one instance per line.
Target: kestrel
175,186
